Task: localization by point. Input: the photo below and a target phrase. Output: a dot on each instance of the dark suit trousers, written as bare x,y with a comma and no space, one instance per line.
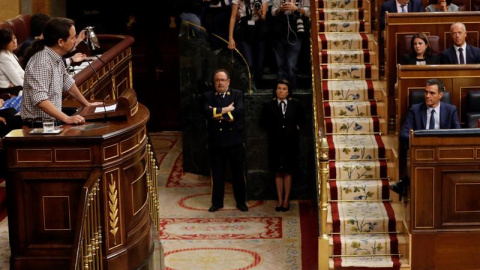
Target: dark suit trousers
220,158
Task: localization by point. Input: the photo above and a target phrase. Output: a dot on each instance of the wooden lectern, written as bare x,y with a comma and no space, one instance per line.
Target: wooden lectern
47,174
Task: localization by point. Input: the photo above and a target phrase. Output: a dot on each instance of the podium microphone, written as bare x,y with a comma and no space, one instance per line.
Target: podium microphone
109,71
104,110
94,70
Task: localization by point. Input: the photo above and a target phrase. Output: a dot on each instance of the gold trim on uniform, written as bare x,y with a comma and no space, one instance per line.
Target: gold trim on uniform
230,116
217,112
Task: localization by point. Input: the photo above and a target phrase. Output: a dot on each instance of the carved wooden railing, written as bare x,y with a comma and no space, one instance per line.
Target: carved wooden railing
88,235
152,183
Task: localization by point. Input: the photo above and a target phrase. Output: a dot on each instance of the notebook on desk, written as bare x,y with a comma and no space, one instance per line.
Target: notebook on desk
110,110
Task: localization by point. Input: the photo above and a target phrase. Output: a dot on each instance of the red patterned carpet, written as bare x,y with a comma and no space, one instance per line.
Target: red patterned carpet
193,238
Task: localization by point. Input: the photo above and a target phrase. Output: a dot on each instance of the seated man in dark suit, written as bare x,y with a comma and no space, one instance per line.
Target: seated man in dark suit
431,114
399,6
460,52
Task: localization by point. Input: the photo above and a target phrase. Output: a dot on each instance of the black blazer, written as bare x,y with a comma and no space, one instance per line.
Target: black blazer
283,134
408,59
449,55
391,7
417,119
282,128
227,129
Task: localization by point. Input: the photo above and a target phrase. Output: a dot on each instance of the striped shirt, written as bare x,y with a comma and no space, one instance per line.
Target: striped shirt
45,79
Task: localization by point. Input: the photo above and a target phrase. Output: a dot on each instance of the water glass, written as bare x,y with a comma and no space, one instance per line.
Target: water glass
48,124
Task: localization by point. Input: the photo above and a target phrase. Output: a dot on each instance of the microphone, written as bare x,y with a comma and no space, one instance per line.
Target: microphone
94,70
109,71
104,110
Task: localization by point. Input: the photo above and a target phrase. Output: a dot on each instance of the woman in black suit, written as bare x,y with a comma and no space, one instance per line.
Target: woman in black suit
421,52
282,117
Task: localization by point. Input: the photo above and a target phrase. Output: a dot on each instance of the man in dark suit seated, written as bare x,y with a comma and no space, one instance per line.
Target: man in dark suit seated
431,114
399,6
460,52
224,109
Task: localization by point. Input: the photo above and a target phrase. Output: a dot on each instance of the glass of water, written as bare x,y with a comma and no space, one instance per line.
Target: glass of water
48,124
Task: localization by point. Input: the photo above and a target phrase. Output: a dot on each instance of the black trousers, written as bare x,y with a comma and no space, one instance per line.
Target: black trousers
220,158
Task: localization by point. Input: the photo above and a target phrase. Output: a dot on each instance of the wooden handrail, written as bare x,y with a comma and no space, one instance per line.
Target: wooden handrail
87,251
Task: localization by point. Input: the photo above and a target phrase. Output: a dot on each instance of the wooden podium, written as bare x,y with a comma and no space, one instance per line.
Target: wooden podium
44,184
445,209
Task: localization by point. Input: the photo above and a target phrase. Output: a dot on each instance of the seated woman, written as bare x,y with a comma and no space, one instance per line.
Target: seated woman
421,52
441,6
11,75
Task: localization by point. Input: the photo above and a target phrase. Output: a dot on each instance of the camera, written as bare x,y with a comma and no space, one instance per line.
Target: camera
257,4
300,26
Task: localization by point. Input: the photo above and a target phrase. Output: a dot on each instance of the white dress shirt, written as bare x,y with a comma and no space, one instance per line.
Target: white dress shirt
10,70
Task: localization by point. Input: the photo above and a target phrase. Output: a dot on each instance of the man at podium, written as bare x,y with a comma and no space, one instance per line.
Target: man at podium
46,77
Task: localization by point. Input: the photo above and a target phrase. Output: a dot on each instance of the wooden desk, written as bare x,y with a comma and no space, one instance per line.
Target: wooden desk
44,182
445,210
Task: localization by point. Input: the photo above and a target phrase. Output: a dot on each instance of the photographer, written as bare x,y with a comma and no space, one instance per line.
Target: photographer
290,19
249,33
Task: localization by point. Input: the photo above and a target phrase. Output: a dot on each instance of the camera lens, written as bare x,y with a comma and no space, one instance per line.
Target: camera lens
300,27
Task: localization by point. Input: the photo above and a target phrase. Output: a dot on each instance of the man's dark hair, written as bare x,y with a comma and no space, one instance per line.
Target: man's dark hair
55,29
221,70
438,83
37,23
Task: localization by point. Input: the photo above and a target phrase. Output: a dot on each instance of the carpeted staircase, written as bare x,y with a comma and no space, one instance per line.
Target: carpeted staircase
364,228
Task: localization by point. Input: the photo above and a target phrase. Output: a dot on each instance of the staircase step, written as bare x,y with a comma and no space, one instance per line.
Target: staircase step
357,125
353,90
349,72
346,41
399,219
355,147
358,169
359,190
353,108
348,57
335,4
375,263
329,14
344,26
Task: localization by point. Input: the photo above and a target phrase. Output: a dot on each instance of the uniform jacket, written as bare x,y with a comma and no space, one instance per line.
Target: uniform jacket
227,129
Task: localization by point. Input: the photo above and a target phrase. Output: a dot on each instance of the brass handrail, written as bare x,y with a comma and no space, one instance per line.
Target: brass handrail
226,41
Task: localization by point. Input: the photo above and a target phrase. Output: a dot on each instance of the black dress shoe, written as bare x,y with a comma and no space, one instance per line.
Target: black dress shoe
278,208
214,208
401,186
242,207
285,209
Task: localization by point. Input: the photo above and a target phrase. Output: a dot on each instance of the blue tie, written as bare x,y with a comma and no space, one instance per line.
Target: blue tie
403,8
432,120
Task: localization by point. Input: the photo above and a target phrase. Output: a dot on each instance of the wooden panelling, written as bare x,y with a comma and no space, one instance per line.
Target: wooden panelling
460,191
456,154
445,225
73,155
422,187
